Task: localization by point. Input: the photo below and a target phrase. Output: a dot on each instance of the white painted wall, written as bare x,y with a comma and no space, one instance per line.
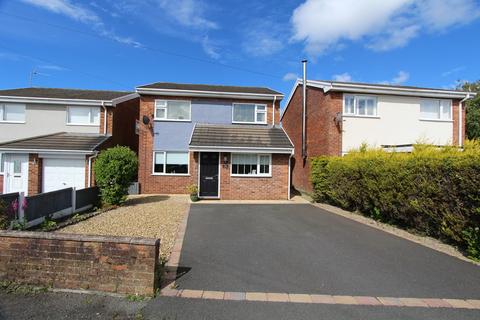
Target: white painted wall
398,122
42,119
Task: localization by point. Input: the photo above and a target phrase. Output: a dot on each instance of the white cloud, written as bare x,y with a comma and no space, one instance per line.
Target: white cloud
400,78
84,15
52,67
290,76
452,71
343,77
189,13
324,24
263,37
210,48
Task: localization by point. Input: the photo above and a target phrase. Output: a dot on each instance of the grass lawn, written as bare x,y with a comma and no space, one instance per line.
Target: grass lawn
150,216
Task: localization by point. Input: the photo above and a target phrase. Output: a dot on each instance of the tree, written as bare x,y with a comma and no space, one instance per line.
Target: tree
472,109
115,169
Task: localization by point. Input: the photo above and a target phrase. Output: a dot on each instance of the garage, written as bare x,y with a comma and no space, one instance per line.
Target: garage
60,173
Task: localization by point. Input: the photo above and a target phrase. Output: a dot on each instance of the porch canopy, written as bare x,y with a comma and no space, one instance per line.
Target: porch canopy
240,138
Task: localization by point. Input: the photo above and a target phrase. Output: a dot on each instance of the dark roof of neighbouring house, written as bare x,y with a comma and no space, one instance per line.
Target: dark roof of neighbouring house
58,141
247,136
209,87
58,93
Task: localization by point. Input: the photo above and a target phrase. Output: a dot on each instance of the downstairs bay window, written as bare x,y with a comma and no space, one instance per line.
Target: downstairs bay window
251,164
169,162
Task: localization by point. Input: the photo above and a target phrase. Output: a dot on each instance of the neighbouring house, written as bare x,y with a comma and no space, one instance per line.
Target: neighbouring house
50,137
224,139
341,116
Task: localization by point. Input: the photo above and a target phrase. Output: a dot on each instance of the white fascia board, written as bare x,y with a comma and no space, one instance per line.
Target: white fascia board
124,98
71,102
241,149
361,88
209,94
46,151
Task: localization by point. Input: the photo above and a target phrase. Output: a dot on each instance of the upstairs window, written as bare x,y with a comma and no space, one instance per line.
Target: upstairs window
175,110
12,112
251,164
434,109
83,116
249,113
360,106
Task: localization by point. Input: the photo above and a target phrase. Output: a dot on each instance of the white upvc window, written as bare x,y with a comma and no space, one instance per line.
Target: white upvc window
436,109
173,110
86,116
362,106
2,158
249,113
12,112
170,163
251,164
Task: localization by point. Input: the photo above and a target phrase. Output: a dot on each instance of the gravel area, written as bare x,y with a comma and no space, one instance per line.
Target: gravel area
150,216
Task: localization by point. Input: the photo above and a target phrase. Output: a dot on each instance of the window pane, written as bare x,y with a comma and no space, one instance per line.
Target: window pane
446,109
371,107
1,162
95,115
244,112
160,113
349,104
178,110
177,162
261,117
1,112
361,107
79,115
159,160
430,109
17,167
260,108
244,163
14,112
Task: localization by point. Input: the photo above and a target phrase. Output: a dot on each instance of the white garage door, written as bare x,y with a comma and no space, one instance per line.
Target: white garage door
63,173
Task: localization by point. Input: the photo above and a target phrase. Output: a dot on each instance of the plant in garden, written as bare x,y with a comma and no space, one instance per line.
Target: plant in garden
115,169
48,224
193,192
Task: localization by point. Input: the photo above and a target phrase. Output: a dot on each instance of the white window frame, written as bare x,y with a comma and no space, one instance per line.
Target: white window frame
441,119
165,107
2,165
90,115
256,113
257,175
355,113
3,113
165,164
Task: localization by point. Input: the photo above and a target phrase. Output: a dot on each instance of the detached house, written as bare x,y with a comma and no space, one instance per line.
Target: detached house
224,139
341,116
49,137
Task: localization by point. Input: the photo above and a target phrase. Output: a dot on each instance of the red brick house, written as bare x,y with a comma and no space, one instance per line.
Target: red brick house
224,139
49,137
341,116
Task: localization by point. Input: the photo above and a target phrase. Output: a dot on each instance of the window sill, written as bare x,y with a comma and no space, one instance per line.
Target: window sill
13,122
83,124
360,116
250,176
241,122
171,174
435,120
172,120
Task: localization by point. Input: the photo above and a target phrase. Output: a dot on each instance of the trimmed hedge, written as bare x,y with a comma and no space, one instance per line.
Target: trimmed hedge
433,191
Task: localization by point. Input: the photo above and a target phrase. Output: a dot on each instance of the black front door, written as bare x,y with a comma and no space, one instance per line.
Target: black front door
209,174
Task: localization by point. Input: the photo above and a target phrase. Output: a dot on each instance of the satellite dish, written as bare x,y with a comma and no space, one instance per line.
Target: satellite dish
146,120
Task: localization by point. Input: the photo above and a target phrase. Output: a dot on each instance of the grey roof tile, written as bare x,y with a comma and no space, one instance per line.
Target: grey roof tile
58,141
209,87
57,93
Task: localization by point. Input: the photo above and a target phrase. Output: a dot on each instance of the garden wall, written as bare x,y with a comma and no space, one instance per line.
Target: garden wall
98,263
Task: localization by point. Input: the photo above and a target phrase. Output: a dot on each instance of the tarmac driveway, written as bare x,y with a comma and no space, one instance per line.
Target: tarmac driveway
300,248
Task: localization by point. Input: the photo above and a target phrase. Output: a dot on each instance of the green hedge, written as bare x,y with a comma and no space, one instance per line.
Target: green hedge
433,191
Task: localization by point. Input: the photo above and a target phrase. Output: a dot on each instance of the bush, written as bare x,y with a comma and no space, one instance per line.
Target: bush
433,191
115,170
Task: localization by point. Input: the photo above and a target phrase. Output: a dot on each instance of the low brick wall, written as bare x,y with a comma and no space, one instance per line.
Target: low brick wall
69,261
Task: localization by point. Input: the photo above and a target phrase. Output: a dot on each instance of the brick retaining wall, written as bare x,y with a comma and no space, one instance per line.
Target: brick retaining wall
98,263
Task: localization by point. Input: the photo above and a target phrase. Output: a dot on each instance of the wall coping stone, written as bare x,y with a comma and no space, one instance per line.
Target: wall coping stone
78,237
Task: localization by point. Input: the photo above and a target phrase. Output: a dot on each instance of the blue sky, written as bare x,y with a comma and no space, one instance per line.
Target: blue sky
118,44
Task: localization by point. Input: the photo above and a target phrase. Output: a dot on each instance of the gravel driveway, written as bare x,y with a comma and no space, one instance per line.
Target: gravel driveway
150,216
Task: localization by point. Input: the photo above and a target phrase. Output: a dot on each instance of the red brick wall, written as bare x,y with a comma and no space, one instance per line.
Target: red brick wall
111,264
1,183
35,167
323,136
455,106
255,188
110,111
123,128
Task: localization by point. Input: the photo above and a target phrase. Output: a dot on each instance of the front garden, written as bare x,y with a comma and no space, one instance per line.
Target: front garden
431,191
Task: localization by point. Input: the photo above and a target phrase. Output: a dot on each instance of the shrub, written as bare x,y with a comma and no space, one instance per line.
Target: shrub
431,190
115,170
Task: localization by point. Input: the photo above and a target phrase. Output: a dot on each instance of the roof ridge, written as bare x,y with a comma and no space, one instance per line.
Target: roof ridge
77,89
